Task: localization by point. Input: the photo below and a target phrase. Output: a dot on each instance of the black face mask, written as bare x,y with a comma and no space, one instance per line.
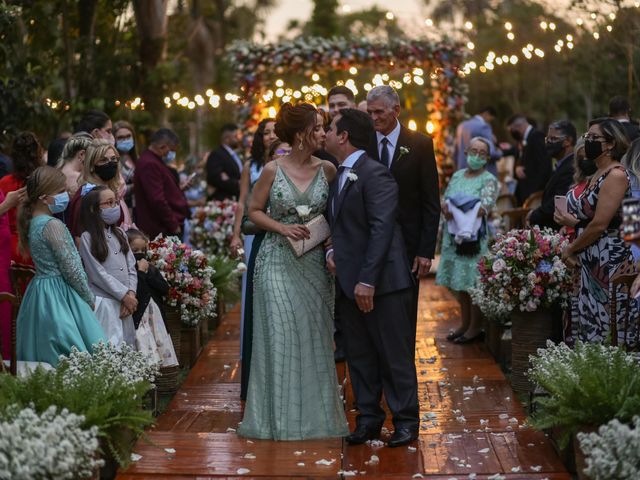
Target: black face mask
587,166
516,135
139,256
107,171
592,149
554,148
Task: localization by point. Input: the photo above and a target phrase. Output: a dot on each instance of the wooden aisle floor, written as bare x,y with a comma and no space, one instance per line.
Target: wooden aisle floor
471,426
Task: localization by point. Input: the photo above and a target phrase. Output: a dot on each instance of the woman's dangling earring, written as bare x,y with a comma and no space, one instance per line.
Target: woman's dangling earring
301,146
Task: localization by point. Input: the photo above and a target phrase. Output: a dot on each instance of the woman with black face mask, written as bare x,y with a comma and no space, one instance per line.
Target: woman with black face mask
101,167
598,248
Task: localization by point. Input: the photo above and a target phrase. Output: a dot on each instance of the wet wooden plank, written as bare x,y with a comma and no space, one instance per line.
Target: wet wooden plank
223,454
449,375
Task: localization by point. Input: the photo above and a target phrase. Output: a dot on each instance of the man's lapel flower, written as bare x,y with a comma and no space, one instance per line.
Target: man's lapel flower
403,151
352,177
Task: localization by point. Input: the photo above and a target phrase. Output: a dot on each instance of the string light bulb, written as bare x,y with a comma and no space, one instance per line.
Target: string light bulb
412,125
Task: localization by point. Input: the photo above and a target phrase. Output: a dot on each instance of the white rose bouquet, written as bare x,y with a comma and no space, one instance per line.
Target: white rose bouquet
522,270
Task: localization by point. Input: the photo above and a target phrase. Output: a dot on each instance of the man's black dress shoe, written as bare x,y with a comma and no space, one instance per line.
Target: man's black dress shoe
464,339
363,433
402,436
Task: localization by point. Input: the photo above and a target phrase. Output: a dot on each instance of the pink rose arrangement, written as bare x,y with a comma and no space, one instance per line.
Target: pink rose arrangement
522,270
189,275
212,227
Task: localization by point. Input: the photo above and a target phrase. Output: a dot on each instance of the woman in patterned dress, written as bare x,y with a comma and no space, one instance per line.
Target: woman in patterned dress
598,247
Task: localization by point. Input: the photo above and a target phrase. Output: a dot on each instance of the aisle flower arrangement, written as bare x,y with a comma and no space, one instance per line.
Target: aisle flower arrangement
587,386
108,394
113,364
522,270
212,227
189,275
51,444
613,452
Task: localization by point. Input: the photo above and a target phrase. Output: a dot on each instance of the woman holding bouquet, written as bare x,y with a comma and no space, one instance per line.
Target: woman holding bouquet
598,247
459,259
292,368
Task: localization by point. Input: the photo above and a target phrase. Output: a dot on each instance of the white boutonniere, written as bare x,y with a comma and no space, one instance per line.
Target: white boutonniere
352,177
403,151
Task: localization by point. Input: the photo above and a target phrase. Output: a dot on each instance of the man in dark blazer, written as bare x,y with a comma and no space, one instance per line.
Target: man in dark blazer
375,284
620,109
533,167
411,160
224,166
560,142
161,206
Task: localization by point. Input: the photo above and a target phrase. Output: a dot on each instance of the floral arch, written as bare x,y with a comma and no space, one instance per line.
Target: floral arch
428,75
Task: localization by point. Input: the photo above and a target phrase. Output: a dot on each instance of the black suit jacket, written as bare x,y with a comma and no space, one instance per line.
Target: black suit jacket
220,161
537,166
419,196
632,129
559,184
367,241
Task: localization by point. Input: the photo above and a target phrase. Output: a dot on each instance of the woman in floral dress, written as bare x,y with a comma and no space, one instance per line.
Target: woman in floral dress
457,271
598,247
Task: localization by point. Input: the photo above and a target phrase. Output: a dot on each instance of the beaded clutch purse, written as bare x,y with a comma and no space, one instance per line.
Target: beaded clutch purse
320,231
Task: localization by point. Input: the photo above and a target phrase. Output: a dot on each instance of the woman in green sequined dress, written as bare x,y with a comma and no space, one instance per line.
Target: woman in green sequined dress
293,388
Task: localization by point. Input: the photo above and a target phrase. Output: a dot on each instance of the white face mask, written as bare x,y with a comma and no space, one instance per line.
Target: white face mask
110,215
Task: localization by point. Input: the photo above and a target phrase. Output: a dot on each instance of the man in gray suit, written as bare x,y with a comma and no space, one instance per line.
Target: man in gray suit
375,284
477,126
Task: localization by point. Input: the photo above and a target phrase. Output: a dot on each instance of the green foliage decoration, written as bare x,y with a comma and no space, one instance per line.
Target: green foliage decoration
587,386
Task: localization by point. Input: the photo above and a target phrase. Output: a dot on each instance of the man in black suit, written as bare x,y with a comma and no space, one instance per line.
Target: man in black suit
560,141
374,282
339,97
224,166
619,109
533,167
412,162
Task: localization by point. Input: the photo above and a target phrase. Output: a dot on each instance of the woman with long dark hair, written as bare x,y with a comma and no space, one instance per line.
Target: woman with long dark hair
110,264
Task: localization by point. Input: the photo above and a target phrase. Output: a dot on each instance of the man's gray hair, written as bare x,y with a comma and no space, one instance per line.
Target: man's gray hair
385,93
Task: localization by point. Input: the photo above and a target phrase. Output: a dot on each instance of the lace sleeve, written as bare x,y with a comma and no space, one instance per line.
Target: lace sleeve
489,194
58,237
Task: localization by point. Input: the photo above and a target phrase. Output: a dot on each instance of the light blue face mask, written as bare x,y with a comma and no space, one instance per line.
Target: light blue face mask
60,203
169,157
125,146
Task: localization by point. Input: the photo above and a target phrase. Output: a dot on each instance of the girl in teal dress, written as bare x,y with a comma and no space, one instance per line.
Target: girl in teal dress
57,309
460,272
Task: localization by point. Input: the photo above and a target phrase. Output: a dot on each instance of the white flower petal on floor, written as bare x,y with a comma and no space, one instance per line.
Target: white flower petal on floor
326,462
243,471
170,450
135,457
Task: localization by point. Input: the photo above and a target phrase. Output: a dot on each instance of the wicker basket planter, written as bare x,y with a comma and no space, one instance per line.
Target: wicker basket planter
167,381
174,327
190,347
530,331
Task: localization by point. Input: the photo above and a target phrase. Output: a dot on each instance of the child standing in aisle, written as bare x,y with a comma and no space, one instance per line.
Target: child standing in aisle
110,264
151,334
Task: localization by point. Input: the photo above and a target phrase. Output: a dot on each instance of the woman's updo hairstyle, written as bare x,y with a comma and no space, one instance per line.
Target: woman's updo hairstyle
294,119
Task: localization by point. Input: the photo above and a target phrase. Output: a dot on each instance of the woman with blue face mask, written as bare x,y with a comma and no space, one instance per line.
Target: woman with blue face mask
470,196
126,145
110,265
57,309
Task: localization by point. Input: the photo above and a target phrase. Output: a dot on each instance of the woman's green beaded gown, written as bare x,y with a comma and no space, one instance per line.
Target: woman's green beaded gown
293,388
